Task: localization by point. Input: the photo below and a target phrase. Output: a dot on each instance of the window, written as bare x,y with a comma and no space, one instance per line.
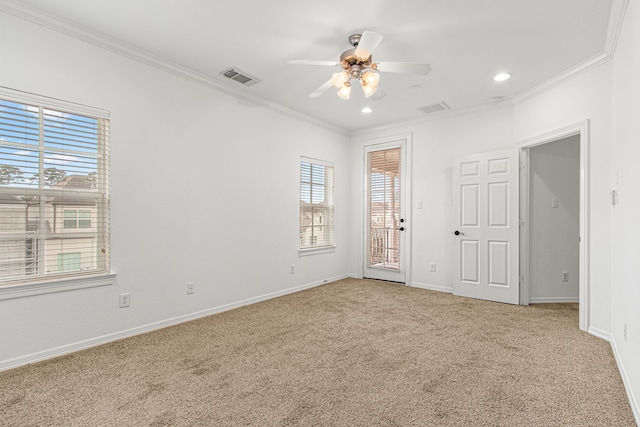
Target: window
54,200
74,218
316,204
69,261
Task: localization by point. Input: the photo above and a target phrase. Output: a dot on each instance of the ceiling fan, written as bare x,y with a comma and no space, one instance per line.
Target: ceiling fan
358,64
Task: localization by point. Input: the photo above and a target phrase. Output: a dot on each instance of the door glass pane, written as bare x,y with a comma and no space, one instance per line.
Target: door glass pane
383,207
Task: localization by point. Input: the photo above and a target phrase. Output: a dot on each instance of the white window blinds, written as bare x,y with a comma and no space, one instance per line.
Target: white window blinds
54,192
316,203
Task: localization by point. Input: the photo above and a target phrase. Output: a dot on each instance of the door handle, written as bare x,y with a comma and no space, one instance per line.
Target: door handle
401,228
458,233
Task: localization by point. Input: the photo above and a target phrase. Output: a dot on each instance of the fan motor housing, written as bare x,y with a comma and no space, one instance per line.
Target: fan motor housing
349,58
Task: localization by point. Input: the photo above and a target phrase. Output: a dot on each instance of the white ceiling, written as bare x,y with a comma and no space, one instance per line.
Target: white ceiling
466,42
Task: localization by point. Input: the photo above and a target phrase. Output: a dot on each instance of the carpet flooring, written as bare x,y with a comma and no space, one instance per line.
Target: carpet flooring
349,353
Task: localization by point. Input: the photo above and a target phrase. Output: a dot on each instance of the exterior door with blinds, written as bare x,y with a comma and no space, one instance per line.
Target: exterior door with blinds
385,221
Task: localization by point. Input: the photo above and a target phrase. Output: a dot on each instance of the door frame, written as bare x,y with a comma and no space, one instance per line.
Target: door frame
582,130
381,144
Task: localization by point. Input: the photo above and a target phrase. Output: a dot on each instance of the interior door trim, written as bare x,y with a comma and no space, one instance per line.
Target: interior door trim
581,129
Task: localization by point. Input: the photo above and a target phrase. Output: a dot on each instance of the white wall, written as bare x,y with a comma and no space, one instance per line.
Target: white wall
585,97
205,188
435,143
554,231
625,225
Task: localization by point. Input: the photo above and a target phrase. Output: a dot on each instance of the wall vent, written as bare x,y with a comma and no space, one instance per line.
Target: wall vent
236,74
434,108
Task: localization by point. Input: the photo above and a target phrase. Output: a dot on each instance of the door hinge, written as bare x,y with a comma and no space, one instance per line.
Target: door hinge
521,222
520,279
522,166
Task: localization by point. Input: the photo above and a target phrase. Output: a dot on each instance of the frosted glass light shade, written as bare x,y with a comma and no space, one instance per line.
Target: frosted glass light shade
372,79
345,91
339,79
368,90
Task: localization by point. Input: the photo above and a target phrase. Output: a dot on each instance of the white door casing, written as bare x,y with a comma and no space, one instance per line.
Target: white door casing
486,226
582,129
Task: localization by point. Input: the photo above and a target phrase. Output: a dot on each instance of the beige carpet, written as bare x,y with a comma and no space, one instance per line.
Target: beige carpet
350,353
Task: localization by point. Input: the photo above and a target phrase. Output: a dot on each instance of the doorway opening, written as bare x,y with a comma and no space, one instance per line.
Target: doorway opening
554,210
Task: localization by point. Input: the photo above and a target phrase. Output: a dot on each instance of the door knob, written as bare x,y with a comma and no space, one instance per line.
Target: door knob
401,228
458,233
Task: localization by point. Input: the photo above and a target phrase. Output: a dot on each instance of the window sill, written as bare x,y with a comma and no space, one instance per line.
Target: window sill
54,286
314,251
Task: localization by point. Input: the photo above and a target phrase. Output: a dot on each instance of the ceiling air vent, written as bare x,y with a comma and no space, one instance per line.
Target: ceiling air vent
234,73
434,108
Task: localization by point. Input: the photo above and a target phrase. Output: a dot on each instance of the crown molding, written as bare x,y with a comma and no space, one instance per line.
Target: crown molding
565,76
616,18
79,32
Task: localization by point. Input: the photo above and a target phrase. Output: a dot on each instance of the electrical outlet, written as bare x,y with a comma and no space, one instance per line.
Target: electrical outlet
625,332
565,276
292,269
125,300
191,288
432,267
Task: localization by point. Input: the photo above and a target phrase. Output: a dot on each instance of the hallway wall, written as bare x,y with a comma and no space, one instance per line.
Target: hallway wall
554,170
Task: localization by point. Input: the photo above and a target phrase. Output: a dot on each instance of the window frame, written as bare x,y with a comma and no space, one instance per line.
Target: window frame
326,221
79,220
102,275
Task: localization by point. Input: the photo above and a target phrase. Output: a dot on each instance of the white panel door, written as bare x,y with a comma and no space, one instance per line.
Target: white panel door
486,226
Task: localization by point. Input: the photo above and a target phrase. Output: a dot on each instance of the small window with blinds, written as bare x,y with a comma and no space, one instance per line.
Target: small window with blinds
54,199
316,204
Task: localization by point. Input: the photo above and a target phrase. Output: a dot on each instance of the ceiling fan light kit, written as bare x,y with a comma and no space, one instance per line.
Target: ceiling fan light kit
370,78
358,64
339,79
345,91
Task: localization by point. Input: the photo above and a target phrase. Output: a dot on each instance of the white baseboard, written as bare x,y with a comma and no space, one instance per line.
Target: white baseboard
633,402
551,300
599,333
432,287
94,342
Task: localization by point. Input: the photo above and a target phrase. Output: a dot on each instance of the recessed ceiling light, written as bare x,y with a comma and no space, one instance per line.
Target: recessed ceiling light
502,77
367,110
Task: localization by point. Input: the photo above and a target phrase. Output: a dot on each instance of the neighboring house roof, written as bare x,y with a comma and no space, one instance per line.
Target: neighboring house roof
72,182
6,199
75,182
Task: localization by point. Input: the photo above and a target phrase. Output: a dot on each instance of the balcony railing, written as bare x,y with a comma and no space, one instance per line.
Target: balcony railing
383,248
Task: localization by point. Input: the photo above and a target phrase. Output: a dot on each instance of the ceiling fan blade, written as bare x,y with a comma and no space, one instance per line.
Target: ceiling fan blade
368,42
312,62
403,67
322,89
378,94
